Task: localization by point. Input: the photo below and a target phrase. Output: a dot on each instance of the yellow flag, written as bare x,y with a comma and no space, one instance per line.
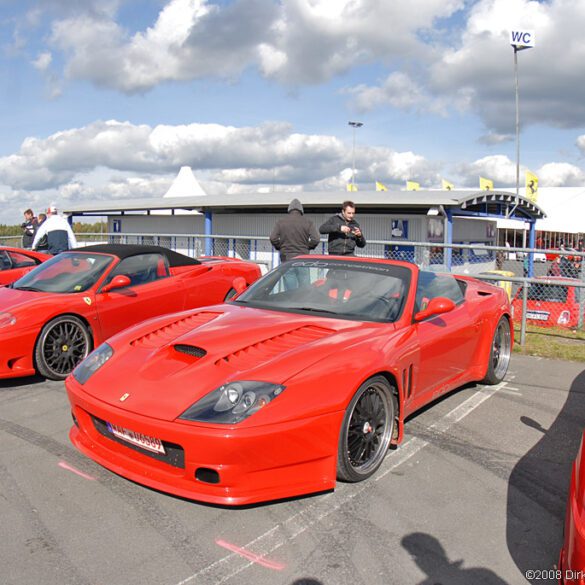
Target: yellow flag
531,186
352,187
381,186
447,186
486,184
412,186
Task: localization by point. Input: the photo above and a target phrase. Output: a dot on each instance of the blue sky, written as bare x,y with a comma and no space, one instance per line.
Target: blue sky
109,98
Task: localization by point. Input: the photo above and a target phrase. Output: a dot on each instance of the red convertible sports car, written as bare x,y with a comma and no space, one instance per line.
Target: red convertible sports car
305,377
52,317
15,263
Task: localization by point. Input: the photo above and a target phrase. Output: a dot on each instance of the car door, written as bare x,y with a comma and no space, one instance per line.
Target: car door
447,343
152,292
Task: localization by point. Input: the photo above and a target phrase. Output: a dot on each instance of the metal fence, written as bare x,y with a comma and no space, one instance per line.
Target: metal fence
546,287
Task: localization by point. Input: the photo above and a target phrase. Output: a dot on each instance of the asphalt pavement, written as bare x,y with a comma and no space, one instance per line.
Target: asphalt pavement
475,494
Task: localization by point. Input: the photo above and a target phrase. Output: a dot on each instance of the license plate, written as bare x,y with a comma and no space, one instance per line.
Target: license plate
537,315
149,443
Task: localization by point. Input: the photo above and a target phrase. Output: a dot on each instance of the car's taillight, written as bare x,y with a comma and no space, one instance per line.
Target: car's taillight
564,318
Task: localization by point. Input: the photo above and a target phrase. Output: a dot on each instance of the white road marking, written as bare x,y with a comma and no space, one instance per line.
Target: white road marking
227,567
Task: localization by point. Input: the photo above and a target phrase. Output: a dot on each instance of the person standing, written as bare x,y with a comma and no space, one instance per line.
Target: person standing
294,234
29,228
344,232
60,236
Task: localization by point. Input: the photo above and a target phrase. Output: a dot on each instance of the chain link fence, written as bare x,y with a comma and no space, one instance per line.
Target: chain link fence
546,287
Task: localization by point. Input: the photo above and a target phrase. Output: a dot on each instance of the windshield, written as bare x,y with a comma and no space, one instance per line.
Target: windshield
69,272
351,290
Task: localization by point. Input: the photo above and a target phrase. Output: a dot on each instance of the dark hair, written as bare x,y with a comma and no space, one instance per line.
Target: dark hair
29,212
347,204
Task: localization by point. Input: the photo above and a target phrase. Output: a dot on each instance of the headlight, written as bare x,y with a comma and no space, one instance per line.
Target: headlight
233,402
7,319
92,363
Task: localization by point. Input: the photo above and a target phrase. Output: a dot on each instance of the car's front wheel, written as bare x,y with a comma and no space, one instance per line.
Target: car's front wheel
500,353
62,344
366,430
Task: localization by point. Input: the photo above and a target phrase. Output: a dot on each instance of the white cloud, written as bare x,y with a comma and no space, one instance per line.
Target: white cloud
560,175
43,61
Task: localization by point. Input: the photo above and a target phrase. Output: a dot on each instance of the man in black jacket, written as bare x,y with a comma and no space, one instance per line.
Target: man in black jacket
344,231
29,228
295,234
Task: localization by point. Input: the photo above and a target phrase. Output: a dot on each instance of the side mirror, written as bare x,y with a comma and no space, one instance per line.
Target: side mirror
239,284
436,306
119,281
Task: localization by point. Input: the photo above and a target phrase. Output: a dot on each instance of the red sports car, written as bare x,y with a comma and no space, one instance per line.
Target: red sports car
572,558
553,301
52,317
15,262
306,376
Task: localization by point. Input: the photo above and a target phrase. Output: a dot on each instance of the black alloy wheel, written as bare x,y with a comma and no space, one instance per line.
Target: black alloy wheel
63,343
366,430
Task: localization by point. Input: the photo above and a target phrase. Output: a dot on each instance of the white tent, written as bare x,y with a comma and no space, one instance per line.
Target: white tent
185,185
564,208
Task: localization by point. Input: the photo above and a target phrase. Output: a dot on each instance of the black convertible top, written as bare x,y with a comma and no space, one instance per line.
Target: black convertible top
127,250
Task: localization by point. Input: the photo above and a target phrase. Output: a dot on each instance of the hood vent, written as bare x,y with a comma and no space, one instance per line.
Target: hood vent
173,330
267,349
192,350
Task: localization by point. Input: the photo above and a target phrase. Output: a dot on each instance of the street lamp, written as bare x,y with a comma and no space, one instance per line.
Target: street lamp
519,40
354,125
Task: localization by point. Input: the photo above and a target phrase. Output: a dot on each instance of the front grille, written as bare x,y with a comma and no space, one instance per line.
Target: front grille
193,350
174,454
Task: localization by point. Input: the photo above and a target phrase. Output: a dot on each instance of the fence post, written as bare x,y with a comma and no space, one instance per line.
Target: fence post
524,308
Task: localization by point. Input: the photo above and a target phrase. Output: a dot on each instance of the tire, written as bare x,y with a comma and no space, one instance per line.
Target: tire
62,344
366,430
499,353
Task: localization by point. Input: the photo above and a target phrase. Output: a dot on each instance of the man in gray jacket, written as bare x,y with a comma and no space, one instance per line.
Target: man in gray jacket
294,234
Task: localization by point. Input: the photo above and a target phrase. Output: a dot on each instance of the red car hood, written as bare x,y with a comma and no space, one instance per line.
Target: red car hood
164,372
26,303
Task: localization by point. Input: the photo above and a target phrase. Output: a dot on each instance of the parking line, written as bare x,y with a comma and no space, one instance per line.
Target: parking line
227,567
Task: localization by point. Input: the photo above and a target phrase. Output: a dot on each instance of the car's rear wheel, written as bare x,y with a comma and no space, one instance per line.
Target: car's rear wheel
366,430
500,353
62,344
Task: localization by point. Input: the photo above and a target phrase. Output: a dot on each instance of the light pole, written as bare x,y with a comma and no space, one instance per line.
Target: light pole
519,40
354,125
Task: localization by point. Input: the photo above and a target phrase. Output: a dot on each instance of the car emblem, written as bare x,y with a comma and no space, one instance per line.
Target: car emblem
124,396
87,300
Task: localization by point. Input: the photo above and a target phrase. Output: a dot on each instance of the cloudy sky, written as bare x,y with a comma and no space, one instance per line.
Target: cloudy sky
105,99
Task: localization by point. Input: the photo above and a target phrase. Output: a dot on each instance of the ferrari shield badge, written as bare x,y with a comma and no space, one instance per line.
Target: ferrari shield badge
87,300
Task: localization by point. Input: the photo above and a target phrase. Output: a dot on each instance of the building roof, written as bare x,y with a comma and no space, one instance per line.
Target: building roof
472,202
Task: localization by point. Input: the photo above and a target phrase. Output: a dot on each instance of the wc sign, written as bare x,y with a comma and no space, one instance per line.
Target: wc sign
522,39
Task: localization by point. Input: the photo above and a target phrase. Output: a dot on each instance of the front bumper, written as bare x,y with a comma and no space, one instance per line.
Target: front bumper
16,352
250,464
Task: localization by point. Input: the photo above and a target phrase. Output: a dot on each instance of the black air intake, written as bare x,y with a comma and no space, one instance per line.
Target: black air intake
193,350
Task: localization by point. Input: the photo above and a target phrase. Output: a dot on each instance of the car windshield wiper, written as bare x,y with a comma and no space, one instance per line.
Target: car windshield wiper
31,288
315,310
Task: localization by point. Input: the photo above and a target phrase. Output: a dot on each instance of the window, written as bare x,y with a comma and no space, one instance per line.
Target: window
21,260
142,268
431,285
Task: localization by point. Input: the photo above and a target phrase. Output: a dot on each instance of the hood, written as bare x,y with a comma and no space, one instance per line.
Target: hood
28,303
178,363
295,205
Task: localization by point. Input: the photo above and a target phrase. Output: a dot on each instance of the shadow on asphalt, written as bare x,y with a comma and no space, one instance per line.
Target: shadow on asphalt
539,485
430,556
